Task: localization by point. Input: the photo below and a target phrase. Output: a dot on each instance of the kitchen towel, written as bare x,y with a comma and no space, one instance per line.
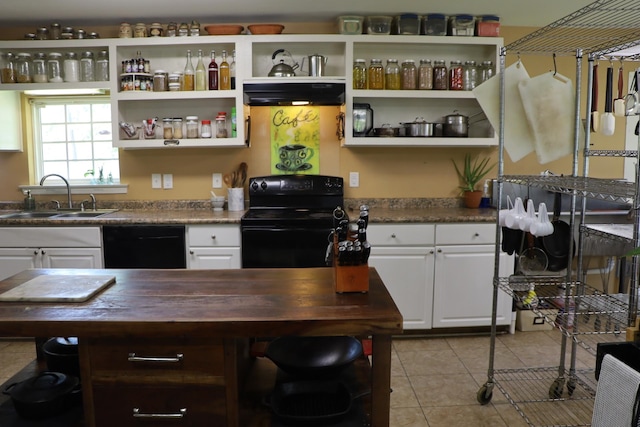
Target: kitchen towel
518,137
548,101
615,394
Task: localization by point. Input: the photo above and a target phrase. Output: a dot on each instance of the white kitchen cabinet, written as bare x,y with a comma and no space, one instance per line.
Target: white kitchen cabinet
213,246
463,287
403,255
10,121
49,247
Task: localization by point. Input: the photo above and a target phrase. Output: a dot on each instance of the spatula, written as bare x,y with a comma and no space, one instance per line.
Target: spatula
618,103
595,117
608,121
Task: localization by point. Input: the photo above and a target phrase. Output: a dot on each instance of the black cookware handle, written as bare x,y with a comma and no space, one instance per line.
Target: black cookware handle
557,206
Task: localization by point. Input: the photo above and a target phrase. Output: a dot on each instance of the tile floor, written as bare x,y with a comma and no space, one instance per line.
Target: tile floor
434,379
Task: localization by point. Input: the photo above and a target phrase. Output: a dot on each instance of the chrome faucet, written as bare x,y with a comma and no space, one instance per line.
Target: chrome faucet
93,203
65,182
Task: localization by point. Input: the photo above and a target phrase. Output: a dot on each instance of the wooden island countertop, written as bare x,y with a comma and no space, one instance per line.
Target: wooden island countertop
214,304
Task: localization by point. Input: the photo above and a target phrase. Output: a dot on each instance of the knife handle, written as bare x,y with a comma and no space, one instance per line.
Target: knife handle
608,102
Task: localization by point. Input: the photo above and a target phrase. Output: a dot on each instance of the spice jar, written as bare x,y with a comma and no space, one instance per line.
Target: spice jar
8,65
376,74
55,31
54,71
156,30
455,75
42,33
192,126
160,81
359,74
205,129
409,75
40,68
167,128
87,67
71,67
470,78
177,128
102,66
23,68
140,30
221,125
440,76
392,75
125,31
172,29
425,75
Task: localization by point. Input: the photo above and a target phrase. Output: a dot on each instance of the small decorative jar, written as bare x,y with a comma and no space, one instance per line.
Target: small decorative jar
125,31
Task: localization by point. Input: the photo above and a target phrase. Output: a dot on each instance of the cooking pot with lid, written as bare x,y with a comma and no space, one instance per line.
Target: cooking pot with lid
419,127
61,354
456,125
45,395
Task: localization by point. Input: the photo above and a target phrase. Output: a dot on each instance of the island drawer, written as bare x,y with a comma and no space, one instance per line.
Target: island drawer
187,359
465,234
401,234
213,235
192,406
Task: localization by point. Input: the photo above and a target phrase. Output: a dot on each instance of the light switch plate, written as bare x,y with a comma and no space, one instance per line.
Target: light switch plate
354,179
156,180
216,180
167,181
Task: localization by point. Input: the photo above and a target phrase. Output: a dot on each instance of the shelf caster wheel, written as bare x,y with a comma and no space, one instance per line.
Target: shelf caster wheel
555,391
484,395
571,387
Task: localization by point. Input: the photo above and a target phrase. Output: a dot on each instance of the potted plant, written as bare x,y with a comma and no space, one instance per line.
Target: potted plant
471,174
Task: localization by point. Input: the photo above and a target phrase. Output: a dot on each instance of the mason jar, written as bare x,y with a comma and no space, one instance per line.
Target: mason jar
23,68
54,68
192,126
376,74
425,75
102,66
40,68
440,76
392,75
87,67
409,75
71,67
359,74
8,66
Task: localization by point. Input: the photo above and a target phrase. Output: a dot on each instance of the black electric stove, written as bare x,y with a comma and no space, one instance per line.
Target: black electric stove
289,220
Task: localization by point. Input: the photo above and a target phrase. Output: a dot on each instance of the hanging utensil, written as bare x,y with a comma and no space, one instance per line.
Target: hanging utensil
608,121
595,117
242,174
618,104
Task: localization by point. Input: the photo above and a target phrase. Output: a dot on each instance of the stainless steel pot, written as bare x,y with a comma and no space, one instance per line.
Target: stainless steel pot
386,130
419,127
456,125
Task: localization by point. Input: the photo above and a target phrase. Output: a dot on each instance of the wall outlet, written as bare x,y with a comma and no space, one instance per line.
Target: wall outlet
354,179
156,180
216,180
167,181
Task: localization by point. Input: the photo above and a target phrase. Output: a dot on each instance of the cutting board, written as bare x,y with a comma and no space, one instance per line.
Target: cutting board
518,137
548,101
58,288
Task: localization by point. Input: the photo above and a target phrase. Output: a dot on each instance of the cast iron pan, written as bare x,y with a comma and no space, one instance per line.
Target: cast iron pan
313,356
305,403
556,245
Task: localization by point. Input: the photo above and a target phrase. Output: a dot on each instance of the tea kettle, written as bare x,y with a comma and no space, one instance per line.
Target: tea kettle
281,68
316,64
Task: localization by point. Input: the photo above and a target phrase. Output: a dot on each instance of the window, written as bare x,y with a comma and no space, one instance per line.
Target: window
73,138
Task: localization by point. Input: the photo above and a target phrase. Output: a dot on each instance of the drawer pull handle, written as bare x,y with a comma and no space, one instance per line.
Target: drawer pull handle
138,414
134,358
393,235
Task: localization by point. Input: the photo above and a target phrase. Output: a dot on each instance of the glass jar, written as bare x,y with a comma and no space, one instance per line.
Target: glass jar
71,67
102,66
167,128
140,30
125,31
87,67
409,75
40,68
172,29
23,68
392,75
221,125
376,74
205,129
156,30
55,31
456,73
425,75
160,81
470,78
440,76
42,33
177,128
359,74
192,126
8,65
54,69
486,71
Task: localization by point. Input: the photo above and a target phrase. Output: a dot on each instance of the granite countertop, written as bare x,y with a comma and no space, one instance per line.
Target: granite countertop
380,211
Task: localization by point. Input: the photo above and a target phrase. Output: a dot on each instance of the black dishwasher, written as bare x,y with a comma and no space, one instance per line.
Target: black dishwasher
144,246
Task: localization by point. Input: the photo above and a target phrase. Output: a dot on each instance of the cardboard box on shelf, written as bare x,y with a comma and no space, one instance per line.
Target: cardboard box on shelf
539,320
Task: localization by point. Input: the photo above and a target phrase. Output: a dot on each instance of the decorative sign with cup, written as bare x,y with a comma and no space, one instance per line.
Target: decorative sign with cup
295,140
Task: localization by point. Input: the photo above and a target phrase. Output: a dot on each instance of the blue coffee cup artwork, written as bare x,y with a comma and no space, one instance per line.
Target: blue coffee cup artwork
294,158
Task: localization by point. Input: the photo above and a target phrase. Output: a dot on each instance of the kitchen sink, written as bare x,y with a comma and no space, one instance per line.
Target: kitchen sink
57,214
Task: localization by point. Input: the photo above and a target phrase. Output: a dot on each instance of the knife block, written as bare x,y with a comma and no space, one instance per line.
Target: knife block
349,278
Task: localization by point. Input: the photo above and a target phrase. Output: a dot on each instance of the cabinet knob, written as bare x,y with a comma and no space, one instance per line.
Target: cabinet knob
43,252
439,251
35,252
476,235
393,235
213,237
431,252
191,252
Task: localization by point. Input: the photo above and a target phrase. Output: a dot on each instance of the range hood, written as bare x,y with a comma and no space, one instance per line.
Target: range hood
264,92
